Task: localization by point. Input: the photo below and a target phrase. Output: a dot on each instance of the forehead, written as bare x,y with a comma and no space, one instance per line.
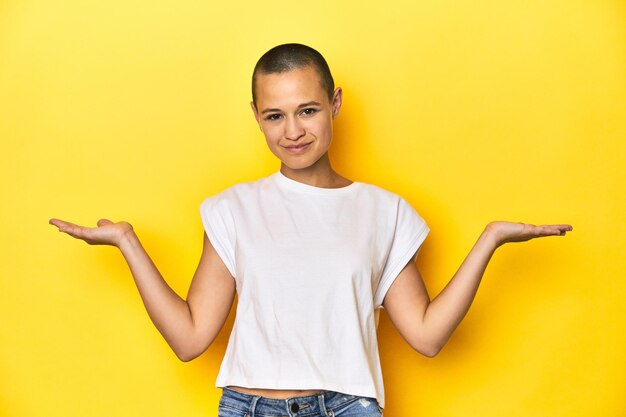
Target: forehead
290,87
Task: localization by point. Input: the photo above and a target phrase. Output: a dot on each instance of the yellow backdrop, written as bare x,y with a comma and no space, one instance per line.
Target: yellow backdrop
473,111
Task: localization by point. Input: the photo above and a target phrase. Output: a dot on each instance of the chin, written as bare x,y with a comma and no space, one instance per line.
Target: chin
295,166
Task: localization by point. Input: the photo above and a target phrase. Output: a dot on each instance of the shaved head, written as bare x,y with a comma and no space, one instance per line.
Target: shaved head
290,56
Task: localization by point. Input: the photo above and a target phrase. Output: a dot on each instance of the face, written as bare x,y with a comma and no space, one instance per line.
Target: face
296,117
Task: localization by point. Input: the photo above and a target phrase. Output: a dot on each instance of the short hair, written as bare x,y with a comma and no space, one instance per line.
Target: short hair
290,56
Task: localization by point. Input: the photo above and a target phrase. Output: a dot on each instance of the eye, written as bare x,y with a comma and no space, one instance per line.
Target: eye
271,117
310,111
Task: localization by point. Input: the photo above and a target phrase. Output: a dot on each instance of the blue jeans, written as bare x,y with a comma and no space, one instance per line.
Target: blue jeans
324,404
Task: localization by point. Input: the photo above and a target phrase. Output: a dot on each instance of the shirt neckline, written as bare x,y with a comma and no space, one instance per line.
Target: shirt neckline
287,182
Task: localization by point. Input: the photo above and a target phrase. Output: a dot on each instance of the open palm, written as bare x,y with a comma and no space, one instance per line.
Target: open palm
107,232
519,232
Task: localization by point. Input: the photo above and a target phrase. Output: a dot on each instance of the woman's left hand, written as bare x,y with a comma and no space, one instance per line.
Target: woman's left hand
504,232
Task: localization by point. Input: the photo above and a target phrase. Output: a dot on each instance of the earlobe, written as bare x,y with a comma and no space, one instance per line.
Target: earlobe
256,115
337,99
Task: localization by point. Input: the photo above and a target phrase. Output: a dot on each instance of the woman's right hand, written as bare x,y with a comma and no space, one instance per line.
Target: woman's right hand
107,232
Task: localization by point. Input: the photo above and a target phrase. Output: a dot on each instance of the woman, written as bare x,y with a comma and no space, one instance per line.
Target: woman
313,256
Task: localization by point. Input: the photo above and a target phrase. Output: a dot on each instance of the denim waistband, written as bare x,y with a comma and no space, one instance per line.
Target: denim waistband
301,406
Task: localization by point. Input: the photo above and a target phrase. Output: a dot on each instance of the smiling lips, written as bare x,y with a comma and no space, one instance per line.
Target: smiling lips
298,148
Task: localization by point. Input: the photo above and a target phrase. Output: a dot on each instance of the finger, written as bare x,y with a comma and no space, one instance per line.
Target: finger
553,230
540,231
55,222
61,223
77,231
567,227
546,230
104,222
561,228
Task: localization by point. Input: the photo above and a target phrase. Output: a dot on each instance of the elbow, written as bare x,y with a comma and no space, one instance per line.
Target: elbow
431,353
185,356
431,350
182,355
191,351
192,348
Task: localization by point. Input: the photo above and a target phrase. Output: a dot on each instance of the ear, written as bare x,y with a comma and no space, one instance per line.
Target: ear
337,100
256,115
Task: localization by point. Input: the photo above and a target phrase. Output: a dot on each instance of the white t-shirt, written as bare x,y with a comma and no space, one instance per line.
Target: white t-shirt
312,266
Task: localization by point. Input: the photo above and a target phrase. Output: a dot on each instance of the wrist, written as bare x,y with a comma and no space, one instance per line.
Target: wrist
490,236
128,239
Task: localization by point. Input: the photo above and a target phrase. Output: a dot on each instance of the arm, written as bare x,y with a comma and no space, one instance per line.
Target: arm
427,325
190,326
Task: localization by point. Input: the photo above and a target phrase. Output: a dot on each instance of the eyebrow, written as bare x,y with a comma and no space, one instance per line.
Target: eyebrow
310,103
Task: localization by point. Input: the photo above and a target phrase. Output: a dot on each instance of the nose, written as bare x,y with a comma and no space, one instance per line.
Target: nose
293,129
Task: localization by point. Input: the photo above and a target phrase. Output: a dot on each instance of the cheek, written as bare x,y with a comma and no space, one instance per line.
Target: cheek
271,132
318,126
322,127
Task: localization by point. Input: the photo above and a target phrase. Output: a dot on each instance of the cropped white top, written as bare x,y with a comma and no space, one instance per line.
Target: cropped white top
312,266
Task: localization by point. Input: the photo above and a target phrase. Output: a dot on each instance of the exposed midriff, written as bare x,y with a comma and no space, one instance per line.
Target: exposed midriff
275,393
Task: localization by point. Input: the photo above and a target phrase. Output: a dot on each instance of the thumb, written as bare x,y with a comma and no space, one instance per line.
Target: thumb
104,222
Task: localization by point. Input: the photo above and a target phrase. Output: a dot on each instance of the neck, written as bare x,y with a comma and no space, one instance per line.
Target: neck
320,174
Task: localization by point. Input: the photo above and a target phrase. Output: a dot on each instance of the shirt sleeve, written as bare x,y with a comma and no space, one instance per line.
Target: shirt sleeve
219,226
409,233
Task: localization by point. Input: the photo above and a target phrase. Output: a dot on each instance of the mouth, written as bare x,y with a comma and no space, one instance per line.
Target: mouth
298,148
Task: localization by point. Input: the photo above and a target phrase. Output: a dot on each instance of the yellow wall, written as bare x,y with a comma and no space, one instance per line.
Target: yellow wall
474,111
